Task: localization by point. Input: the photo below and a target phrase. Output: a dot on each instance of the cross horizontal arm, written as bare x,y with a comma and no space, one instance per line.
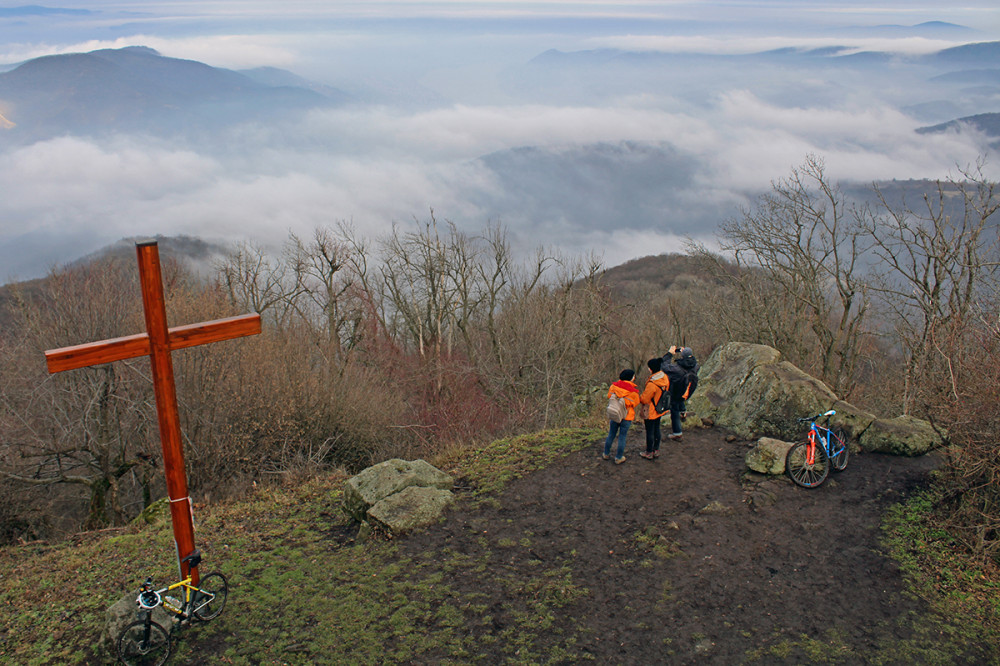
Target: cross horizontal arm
132,346
95,353
182,337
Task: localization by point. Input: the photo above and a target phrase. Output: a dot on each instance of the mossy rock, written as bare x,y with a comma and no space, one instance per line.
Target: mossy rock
363,491
410,509
750,390
768,456
157,513
903,435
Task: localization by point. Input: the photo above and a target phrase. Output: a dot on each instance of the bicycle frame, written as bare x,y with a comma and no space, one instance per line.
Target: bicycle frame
146,641
817,433
194,599
821,436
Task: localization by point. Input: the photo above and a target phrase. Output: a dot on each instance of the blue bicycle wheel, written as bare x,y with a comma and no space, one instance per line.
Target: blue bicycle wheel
807,464
839,449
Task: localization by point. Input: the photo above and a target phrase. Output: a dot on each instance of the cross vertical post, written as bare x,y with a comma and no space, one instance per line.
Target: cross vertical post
165,390
158,342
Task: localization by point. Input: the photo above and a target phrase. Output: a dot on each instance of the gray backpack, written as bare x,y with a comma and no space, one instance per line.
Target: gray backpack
617,409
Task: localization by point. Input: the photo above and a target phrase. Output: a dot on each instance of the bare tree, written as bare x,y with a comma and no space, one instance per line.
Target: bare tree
256,282
799,248
329,290
88,428
935,263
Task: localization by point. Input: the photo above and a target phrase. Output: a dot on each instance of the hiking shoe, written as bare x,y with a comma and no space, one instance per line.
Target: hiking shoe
606,456
648,455
619,461
676,436
656,453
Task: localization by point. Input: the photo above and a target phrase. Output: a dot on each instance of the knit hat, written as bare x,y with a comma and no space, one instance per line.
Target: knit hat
626,375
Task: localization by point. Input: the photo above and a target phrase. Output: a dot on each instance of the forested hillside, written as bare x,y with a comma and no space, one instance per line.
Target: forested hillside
429,338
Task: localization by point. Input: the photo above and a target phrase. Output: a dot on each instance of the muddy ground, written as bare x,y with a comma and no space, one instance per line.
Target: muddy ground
688,559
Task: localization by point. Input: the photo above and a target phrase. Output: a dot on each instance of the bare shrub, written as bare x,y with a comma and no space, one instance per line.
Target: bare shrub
935,262
969,482
90,428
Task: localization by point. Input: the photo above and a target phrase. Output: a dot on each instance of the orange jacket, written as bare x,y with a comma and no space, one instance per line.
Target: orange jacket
630,392
655,385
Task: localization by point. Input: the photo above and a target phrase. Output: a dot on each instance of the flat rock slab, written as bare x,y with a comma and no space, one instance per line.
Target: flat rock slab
768,456
365,490
903,435
410,508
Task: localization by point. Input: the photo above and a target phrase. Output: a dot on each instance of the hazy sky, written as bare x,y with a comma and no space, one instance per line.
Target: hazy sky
458,64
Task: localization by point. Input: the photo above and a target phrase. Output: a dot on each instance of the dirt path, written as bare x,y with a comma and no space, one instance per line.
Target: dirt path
687,560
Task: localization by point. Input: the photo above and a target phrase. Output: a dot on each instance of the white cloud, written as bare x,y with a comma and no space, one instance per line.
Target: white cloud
378,167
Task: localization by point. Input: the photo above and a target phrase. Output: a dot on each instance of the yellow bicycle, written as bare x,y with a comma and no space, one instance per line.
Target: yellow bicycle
145,642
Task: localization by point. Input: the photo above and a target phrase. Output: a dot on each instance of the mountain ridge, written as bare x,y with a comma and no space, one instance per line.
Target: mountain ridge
136,88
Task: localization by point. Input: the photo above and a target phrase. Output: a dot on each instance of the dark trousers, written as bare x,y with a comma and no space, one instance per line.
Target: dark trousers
676,407
652,435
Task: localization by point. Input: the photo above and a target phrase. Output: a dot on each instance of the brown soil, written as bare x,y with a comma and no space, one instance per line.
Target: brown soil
688,559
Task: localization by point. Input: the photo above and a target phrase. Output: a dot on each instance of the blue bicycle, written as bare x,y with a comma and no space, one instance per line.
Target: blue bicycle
808,462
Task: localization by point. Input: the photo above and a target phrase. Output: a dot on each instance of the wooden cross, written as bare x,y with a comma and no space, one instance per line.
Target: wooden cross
157,343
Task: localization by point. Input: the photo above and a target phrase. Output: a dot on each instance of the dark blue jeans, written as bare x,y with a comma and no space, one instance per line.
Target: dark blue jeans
621,429
676,407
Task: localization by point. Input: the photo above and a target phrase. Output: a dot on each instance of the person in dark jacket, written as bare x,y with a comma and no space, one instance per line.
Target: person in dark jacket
681,367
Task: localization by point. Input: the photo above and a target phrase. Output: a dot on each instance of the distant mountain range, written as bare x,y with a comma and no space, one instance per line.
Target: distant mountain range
933,88
36,10
929,29
972,55
137,89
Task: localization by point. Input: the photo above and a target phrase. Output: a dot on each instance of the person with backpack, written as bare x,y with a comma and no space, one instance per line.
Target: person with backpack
656,394
682,372
623,398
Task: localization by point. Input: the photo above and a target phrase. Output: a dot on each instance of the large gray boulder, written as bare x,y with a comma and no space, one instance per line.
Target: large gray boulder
409,509
396,496
750,390
388,478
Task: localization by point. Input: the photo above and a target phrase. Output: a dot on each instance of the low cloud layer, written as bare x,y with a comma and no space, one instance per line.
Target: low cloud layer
376,168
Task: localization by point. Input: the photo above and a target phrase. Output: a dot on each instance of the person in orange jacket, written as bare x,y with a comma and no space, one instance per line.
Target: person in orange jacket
657,383
627,390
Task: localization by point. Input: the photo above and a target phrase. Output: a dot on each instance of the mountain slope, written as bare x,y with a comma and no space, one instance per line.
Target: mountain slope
987,123
136,88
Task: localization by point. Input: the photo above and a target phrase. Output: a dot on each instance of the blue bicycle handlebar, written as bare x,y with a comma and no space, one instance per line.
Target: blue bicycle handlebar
809,419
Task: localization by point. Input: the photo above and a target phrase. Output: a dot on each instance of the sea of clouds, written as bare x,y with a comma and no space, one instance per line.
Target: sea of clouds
440,121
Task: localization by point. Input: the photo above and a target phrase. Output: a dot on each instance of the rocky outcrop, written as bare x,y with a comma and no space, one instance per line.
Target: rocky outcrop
396,496
750,390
